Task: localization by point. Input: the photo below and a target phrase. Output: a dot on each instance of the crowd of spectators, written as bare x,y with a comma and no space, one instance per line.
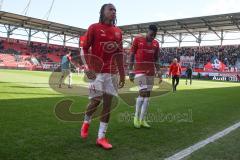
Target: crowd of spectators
227,54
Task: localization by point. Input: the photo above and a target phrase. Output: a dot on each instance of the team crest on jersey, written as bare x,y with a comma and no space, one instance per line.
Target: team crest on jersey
103,34
141,44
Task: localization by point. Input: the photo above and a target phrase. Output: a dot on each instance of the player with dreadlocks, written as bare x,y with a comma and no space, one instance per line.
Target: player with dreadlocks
102,65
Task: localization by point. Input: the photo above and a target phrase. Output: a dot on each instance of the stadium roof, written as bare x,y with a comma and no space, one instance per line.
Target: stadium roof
38,24
189,25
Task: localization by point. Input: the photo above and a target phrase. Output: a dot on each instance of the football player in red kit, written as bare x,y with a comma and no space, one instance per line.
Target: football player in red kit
145,56
102,66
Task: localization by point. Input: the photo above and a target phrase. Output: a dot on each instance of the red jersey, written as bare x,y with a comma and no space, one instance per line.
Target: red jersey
106,48
175,69
146,55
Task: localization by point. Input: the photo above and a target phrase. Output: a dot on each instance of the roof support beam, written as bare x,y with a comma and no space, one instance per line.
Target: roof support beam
35,33
180,40
184,26
199,39
72,38
29,35
10,29
222,37
127,42
171,35
163,38
210,28
48,37
55,35
160,38
28,29
64,40
215,33
234,21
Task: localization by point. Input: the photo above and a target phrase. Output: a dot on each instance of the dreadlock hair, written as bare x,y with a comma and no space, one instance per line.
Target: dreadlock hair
102,18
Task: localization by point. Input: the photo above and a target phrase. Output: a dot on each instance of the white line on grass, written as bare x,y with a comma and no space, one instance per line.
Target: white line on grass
186,152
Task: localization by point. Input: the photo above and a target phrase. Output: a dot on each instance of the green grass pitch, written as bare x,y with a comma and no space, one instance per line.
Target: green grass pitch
30,130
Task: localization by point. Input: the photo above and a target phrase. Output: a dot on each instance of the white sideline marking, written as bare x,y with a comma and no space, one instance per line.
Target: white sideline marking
186,152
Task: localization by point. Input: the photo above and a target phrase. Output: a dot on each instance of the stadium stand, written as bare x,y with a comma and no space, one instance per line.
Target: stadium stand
19,54
228,55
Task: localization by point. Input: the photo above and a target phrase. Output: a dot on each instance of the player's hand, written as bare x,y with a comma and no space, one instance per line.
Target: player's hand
131,76
121,82
160,80
159,74
90,74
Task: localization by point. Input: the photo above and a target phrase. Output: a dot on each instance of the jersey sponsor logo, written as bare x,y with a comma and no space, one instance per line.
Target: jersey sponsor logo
110,46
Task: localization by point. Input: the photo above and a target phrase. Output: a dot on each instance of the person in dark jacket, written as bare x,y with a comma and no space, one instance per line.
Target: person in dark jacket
189,72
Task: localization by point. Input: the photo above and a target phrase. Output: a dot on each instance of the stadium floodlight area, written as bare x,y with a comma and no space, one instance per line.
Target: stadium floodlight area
198,31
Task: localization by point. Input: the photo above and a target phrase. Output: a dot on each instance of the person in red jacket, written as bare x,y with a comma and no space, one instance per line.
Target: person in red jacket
175,71
103,64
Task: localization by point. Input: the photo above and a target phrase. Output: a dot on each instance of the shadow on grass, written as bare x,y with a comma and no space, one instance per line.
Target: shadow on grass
32,123
29,93
21,82
25,87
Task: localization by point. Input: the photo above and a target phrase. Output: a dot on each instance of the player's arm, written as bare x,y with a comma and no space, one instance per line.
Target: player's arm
170,70
77,59
132,54
71,61
180,69
186,72
120,64
131,73
74,62
157,64
86,57
132,60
